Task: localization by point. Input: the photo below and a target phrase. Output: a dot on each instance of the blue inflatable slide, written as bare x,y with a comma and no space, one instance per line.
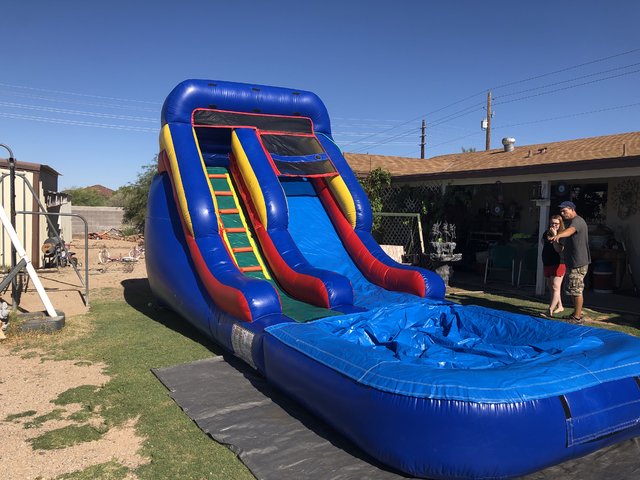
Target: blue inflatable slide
259,234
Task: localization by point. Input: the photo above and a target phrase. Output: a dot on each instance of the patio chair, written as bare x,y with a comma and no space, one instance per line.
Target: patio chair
528,263
502,258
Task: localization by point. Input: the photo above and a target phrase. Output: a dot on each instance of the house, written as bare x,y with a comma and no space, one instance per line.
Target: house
36,188
514,190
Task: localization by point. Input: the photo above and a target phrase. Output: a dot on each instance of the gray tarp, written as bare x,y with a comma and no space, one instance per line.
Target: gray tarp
276,439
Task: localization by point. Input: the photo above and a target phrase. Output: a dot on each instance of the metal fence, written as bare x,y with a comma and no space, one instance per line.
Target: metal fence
404,229
408,211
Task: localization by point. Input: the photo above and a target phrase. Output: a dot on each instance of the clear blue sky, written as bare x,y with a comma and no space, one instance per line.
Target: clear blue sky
83,82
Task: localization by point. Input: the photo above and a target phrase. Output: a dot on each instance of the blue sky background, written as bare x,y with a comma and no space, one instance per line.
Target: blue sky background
83,82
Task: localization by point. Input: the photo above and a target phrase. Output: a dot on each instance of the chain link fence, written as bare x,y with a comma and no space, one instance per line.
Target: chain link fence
408,212
403,229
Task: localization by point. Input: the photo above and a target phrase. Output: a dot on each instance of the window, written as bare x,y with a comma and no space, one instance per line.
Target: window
297,155
292,145
306,169
273,123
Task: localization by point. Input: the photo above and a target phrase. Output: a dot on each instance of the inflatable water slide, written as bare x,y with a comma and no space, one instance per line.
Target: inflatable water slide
259,234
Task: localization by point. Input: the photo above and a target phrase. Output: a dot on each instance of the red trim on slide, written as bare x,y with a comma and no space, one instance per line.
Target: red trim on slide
391,278
313,175
307,288
228,298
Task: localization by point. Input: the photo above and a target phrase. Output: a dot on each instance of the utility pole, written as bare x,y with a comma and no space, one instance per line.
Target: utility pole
489,115
422,139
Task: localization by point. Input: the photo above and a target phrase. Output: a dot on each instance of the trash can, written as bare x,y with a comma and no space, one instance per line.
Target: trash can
603,280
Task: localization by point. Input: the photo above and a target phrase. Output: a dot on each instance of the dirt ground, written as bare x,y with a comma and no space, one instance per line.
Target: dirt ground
66,289
30,382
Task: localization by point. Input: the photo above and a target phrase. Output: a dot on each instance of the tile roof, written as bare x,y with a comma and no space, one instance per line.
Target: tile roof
608,151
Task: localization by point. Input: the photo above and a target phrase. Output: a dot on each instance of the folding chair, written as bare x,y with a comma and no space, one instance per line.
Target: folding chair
502,258
528,263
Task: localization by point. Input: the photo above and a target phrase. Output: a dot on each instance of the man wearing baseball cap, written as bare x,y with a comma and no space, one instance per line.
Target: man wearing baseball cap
577,256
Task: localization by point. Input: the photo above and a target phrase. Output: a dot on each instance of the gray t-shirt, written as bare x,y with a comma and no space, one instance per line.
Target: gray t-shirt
576,247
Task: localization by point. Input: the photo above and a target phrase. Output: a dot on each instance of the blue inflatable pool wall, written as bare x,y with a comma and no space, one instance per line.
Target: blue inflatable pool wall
259,234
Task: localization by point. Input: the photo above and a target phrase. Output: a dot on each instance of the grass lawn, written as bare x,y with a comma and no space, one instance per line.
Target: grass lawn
131,337
533,306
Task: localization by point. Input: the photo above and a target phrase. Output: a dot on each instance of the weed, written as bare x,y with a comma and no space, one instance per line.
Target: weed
110,470
16,416
67,436
56,414
83,394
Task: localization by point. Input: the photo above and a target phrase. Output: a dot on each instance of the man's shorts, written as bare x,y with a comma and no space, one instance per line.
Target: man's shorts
575,282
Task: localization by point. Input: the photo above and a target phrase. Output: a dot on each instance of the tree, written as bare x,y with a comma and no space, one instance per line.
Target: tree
133,197
470,149
86,197
374,185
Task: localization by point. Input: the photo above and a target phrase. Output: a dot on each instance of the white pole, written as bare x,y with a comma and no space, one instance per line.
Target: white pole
30,270
543,223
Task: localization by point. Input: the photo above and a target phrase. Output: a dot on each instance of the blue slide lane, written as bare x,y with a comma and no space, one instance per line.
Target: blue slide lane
315,236
435,287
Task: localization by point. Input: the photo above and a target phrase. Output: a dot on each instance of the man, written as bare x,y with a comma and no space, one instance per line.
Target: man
577,256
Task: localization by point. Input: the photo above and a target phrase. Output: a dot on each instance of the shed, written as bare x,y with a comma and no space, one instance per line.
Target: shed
32,229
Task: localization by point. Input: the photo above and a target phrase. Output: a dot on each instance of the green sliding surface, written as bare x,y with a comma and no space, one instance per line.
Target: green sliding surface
248,257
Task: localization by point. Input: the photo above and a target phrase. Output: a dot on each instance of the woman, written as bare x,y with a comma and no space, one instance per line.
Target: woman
554,267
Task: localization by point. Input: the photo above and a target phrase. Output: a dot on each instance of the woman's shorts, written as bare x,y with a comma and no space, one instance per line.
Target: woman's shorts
555,270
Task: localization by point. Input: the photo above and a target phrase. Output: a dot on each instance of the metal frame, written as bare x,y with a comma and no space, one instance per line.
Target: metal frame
412,215
86,247
55,230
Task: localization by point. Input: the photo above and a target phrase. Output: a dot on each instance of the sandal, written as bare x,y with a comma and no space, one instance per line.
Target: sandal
573,319
546,315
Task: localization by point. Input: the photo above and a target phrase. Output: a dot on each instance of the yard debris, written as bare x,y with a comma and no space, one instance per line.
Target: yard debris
112,233
116,234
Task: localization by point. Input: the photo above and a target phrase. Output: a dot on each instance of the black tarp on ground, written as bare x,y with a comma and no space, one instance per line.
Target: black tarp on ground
276,439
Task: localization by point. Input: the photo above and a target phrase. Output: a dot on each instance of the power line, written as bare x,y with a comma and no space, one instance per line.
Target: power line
456,139
77,112
524,80
78,94
570,115
569,87
388,128
413,131
571,80
560,117
473,108
77,123
78,102
573,67
461,113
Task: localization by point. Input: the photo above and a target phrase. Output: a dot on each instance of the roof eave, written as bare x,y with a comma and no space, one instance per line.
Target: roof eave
599,164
